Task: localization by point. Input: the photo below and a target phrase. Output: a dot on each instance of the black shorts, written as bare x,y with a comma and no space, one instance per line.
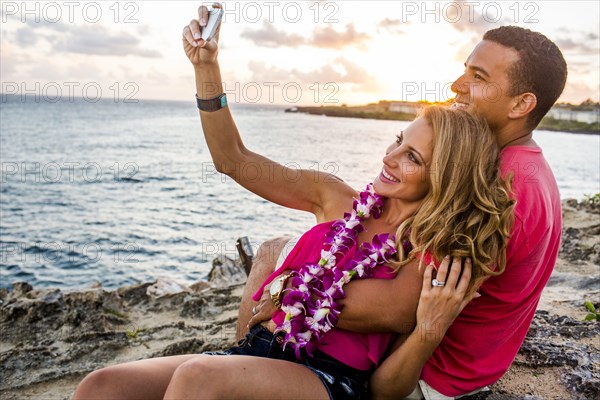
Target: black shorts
340,380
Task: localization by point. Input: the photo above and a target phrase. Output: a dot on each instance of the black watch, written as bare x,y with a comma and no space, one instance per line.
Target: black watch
213,104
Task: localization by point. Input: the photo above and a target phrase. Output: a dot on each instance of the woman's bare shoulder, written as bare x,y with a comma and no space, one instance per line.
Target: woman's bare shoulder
337,199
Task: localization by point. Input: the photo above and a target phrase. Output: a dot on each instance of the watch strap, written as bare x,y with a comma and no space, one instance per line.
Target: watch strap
214,104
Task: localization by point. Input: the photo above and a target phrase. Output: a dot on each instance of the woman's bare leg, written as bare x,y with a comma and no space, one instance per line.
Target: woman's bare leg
144,379
244,377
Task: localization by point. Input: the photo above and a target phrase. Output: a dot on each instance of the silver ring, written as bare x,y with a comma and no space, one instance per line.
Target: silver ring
254,310
435,282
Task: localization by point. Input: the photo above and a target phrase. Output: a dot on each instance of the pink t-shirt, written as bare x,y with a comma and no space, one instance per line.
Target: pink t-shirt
485,338
358,350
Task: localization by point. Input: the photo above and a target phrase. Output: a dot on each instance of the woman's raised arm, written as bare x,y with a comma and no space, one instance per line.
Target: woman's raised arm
305,190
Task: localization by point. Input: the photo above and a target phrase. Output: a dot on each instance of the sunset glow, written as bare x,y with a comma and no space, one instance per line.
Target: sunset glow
294,52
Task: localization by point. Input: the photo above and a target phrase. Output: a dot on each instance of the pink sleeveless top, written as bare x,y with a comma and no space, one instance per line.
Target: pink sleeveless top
358,350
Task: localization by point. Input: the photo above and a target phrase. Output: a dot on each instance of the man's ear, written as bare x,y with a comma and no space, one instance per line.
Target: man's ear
523,105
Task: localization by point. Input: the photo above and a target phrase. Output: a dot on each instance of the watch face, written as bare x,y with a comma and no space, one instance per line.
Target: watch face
275,287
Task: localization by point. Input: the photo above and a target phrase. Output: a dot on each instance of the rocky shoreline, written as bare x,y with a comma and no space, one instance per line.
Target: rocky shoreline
50,339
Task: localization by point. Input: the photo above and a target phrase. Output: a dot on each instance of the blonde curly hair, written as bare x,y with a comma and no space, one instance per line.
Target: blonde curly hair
468,211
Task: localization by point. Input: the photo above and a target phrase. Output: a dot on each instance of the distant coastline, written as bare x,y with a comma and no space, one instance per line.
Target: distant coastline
407,111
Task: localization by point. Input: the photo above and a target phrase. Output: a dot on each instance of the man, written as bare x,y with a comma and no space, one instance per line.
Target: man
512,77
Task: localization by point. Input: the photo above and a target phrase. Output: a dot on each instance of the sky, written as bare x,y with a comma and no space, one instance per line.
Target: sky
279,52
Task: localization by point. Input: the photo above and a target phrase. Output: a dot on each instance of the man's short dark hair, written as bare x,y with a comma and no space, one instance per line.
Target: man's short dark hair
541,68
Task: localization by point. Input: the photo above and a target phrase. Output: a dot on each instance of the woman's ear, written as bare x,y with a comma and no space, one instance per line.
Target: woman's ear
523,105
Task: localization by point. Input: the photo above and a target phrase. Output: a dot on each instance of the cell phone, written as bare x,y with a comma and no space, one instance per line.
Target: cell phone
214,18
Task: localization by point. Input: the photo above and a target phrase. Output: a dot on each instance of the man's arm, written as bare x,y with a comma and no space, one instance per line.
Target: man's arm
371,305
398,375
382,305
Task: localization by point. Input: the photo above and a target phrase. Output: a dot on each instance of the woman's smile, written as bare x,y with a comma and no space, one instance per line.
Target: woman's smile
386,177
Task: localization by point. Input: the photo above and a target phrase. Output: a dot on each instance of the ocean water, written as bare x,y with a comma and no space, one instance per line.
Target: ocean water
122,193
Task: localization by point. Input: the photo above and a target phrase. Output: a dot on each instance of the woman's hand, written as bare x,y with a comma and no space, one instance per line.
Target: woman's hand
198,50
263,310
440,305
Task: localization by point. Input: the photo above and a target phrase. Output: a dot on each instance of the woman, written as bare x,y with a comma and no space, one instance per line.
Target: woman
438,206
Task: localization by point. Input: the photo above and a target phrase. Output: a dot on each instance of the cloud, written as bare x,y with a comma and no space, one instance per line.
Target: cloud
270,36
157,76
592,36
353,72
567,44
585,45
46,72
577,91
582,43
327,37
323,37
24,38
92,39
464,49
12,63
389,22
98,40
391,25
86,69
340,71
471,19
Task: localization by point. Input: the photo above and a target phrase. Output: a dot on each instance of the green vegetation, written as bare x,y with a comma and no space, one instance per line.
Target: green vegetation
133,333
593,200
381,111
357,112
588,104
115,313
593,312
552,124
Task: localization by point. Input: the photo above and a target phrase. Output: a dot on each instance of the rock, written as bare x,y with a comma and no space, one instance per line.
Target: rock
194,307
132,295
166,287
21,288
574,250
573,203
583,384
226,272
190,346
50,334
591,283
199,286
500,395
52,338
556,341
4,293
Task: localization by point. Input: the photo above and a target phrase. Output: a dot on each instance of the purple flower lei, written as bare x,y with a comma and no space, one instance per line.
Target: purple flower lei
310,305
